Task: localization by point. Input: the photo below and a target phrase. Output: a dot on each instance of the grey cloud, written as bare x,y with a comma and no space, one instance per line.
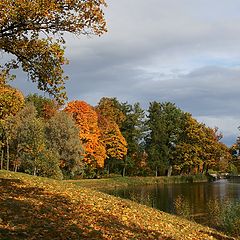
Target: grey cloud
209,90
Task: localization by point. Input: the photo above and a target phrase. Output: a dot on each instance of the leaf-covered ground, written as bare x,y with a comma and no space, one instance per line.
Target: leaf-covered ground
40,208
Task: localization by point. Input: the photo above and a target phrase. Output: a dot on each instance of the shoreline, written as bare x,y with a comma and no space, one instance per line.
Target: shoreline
122,182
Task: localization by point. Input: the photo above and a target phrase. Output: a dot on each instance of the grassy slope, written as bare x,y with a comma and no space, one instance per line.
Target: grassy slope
121,182
40,208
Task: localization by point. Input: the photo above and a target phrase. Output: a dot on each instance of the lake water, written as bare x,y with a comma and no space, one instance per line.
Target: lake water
198,195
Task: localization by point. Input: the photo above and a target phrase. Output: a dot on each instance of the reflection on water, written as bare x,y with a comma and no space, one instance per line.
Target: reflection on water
198,195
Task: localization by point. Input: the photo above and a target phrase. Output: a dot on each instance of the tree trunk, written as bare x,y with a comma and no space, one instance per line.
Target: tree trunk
124,171
198,169
2,160
156,172
35,171
108,168
169,173
7,154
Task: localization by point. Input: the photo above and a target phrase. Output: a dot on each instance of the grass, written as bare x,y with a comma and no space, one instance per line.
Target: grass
121,182
41,208
225,215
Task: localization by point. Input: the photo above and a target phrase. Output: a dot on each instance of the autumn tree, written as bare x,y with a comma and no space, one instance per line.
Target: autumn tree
11,101
86,119
112,110
212,149
199,148
111,136
62,135
32,31
234,150
235,159
115,143
46,107
111,118
187,155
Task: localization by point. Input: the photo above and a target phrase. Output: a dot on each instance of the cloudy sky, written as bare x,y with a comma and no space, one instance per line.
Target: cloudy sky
183,51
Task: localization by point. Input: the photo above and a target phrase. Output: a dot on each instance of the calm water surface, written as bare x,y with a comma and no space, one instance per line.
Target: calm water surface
162,196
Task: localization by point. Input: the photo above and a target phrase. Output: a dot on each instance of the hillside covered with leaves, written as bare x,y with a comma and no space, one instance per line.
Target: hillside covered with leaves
40,208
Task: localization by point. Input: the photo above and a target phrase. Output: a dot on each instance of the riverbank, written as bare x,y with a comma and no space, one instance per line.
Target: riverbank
121,182
41,208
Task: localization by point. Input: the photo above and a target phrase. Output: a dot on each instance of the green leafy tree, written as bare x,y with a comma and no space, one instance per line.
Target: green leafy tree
11,101
32,31
31,140
133,129
164,124
63,136
35,157
48,165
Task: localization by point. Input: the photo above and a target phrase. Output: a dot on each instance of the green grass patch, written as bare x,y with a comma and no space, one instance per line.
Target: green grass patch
121,182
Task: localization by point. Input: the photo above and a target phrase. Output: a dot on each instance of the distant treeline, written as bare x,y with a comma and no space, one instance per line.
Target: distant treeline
40,137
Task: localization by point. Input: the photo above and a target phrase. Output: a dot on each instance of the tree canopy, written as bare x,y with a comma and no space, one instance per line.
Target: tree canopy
87,120
11,101
37,137
62,136
32,31
165,122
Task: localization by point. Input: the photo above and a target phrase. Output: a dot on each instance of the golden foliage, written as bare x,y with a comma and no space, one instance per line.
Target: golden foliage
32,31
110,108
87,120
40,208
199,147
111,136
11,101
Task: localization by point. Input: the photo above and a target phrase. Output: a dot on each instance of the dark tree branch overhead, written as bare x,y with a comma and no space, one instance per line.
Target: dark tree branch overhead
24,22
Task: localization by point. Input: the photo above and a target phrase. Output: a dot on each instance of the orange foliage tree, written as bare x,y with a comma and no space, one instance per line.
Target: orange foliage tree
87,120
110,118
115,143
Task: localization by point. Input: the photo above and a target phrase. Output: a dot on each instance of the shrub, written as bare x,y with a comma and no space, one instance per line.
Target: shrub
182,207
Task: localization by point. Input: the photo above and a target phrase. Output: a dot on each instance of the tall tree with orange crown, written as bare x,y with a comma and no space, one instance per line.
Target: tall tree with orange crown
110,117
87,120
115,143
